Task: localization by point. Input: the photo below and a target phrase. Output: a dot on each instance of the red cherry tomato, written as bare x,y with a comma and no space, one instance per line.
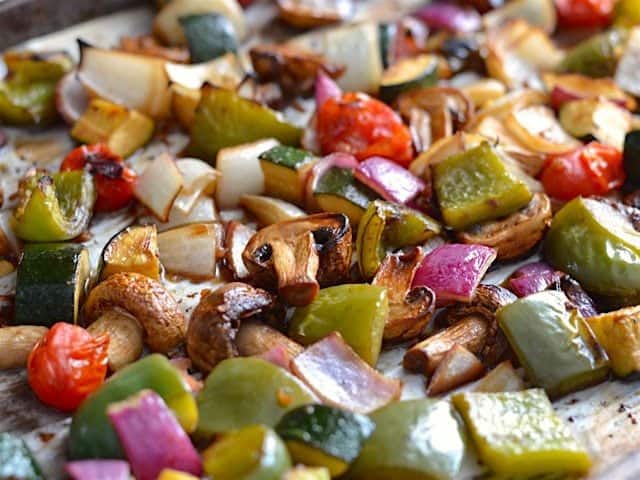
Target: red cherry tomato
364,127
67,365
584,13
114,181
593,169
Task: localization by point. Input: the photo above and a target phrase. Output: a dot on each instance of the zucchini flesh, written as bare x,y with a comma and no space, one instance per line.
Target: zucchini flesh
134,249
408,73
339,191
285,171
51,282
209,36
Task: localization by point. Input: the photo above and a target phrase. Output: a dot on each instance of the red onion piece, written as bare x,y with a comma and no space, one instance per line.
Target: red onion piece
98,470
342,160
339,377
453,271
533,278
279,356
151,437
451,17
325,88
561,95
391,181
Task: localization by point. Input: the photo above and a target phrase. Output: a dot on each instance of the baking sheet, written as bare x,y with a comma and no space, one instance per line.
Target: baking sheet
605,417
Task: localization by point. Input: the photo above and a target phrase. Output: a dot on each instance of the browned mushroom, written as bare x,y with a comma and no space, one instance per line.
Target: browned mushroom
314,13
292,68
221,326
17,342
472,326
410,309
516,234
136,296
299,255
126,337
458,366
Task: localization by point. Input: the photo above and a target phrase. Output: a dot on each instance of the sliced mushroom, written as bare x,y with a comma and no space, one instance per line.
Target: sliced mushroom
516,234
293,68
126,337
216,322
257,338
472,326
410,309
144,299
299,255
16,343
314,13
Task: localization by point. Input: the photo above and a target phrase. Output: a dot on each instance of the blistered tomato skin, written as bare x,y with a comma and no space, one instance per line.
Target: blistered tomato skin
364,127
585,13
67,365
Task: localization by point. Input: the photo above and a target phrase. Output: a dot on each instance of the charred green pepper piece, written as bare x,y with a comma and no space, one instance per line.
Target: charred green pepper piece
597,56
225,119
517,434
553,343
357,311
91,434
54,207
475,186
413,440
596,244
16,461
387,226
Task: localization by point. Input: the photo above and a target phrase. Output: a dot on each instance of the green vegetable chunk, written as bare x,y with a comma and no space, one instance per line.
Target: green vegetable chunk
519,434
247,391
209,36
16,461
553,343
285,172
596,56
357,311
413,440
475,186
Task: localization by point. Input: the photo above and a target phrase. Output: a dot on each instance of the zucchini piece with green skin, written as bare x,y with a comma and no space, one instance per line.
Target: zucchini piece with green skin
323,436
285,172
209,36
16,460
338,191
387,32
51,282
134,249
597,56
225,119
408,73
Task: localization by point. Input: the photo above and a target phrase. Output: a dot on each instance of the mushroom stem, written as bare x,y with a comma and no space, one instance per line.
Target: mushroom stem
470,332
16,343
125,337
256,338
296,270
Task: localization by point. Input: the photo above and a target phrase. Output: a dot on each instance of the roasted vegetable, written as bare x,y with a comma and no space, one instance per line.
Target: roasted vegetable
596,56
190,251
408,73
391,181
51,283
503,378
53,208
631,157
477,185
209,35
458,366
285,170
518,433
94,469
134,249
309,14
619,334
268,210
626,76
159,185
16,460
126,337
553,343
568,87
16,344
601,119
365,305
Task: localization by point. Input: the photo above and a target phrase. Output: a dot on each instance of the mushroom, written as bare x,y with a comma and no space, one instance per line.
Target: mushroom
515,234
299,255
126,337
410,309
314,13
220,327
472,326
16,344
129,297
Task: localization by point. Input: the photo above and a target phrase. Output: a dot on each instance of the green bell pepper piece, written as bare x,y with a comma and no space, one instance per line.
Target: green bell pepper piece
597,245
553,343
518,434
91,434
54,207
596,56
387,226
475,186
247,391
16,461
225,119
357,311
413,440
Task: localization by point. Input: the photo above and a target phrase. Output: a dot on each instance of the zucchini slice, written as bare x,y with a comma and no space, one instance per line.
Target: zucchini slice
134,249
285,171
323,436
408,73
209,35
51,283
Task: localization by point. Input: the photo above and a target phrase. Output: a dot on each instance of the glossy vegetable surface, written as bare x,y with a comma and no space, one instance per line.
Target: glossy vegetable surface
619,334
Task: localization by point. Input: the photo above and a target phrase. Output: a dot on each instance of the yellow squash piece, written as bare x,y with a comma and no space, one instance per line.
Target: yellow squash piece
619,333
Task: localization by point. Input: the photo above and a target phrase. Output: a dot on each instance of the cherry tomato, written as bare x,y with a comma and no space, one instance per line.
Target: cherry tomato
114,181
593,169
67,365
364,127
584,13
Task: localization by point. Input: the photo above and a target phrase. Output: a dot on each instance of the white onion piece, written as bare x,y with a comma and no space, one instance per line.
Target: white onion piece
135,81
203,211
269,210
240,172
71,98
159,185
190,251
627,74
225,71
538,129
199,179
